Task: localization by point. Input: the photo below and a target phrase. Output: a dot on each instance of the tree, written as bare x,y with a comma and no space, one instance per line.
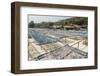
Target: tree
31,24
50,23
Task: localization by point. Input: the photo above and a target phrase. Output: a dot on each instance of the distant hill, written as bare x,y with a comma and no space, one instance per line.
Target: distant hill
74,20
81,21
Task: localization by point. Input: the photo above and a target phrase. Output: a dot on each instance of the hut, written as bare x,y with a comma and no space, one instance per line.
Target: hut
71,27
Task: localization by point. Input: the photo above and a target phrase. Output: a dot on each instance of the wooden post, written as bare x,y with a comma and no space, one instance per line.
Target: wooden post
78,45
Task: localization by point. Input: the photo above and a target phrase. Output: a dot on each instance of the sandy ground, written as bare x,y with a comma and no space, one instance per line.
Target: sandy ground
35,49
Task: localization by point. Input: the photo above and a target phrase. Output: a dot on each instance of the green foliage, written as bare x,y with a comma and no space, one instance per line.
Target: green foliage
44,24
77,20
31,24
74,20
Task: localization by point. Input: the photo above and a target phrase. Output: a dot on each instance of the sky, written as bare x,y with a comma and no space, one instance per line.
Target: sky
41,18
